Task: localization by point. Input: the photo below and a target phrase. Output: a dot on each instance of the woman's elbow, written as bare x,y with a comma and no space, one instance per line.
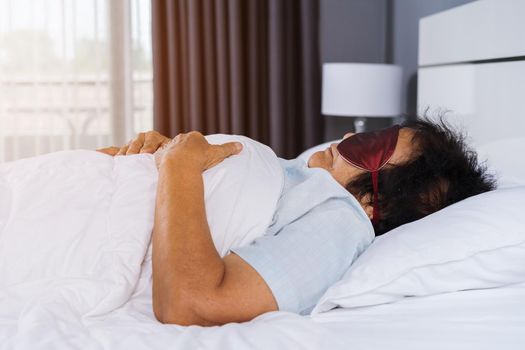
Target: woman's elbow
181,315
175,319
170,317
158,311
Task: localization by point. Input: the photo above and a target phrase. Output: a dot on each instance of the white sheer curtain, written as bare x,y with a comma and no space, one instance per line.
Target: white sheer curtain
73,74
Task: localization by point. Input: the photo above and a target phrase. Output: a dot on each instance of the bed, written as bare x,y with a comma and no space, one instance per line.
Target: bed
483,319
444,302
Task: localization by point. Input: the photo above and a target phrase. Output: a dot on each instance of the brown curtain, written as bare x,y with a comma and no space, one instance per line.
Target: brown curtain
246,67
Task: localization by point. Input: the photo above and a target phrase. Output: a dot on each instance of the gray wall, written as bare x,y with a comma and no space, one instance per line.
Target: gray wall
375,31
351,31
404,36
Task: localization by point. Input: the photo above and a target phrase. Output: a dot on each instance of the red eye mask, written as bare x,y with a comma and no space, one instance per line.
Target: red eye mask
370,151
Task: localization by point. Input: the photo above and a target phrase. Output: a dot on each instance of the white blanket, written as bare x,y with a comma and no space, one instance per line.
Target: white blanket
75,227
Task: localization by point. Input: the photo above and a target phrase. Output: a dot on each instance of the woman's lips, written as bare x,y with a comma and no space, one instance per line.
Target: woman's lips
329,149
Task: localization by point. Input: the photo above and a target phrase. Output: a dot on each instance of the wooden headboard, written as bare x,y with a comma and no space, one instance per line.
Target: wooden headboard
472,64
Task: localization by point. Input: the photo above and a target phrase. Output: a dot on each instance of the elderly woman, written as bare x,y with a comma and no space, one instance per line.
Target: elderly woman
373,183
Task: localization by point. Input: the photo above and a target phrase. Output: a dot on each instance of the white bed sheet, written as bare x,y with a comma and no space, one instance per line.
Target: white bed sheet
478,319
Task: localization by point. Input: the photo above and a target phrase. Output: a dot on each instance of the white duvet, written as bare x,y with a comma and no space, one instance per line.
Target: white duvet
75,228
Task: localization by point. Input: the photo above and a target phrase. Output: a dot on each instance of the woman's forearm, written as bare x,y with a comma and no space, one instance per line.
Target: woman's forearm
186,264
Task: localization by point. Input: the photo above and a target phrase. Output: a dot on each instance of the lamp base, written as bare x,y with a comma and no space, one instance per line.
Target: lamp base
359,125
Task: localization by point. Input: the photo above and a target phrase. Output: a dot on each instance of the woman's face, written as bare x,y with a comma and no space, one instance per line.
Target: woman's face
344,172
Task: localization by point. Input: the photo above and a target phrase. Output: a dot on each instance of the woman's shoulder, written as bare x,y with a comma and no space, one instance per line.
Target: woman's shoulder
343,214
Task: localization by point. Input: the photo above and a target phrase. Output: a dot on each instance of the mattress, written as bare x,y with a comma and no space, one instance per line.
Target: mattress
476,319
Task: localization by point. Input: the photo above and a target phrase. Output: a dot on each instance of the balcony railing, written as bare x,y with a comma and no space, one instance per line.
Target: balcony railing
39,116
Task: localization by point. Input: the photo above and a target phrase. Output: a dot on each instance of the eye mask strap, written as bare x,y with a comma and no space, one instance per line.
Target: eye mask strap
375,184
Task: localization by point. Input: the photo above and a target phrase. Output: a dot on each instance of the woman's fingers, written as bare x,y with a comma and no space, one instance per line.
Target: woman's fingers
152,143
193,147
230,148
136,144
122,151
144,142
109,150
221,152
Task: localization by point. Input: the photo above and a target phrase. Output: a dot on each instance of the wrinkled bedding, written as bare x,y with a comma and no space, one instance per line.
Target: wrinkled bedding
75,228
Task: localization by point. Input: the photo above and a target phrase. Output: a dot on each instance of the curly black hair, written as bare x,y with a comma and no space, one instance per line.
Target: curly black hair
443,171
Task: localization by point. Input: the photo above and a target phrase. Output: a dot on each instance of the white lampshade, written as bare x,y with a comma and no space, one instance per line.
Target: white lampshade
361,89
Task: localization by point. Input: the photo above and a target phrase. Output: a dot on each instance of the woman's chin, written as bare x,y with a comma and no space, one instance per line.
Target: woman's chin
316,160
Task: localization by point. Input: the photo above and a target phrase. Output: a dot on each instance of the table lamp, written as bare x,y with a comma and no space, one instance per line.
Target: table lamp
361,90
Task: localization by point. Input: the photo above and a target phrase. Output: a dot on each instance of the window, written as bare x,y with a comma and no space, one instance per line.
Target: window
73,74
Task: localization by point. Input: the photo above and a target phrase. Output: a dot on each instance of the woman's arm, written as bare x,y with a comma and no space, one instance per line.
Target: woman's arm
192,284
184,257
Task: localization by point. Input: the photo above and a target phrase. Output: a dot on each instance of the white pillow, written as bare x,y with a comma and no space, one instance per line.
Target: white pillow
241,193
75,225
505,159
474,244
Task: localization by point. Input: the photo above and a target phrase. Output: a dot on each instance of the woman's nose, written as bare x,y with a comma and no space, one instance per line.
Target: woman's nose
333,148
347,135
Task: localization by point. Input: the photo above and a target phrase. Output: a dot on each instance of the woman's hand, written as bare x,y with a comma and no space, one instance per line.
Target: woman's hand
193,150
145,142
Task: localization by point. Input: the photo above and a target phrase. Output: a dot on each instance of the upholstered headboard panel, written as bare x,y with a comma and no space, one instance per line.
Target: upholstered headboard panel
472,64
